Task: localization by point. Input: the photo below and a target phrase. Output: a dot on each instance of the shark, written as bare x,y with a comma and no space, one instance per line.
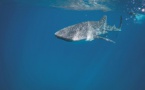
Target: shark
88,30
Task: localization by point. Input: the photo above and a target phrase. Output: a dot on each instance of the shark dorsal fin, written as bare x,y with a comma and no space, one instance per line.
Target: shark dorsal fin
103,19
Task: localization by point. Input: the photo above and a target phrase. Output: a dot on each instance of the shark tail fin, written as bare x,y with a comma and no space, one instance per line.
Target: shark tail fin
120,25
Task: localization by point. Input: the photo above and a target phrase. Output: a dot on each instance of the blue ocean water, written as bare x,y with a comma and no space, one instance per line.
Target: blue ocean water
32,58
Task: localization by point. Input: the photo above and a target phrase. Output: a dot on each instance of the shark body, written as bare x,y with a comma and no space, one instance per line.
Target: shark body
88,31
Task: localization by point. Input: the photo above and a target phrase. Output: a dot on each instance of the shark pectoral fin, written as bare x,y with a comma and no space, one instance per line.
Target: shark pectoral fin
109,40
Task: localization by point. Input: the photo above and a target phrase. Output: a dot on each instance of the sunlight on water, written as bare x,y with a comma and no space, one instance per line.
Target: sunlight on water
84,5
137,11
139,18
